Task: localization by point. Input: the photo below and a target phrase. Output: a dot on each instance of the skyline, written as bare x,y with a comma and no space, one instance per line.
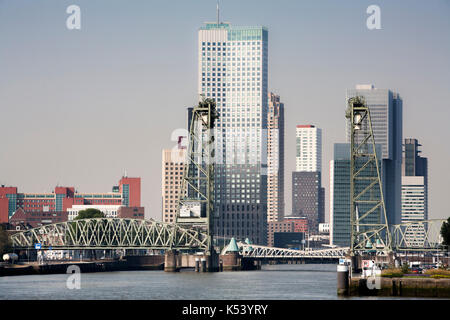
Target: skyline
130,102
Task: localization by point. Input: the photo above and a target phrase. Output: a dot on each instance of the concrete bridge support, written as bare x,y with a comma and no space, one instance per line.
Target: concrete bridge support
171,261
231,261
174,261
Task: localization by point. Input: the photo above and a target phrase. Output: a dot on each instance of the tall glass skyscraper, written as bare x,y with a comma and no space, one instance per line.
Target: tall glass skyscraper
232,70
387,123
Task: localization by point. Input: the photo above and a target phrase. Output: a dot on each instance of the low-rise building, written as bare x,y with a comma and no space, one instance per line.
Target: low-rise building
300,223
278,227
131,212
110,211
127,193
324,228
22,219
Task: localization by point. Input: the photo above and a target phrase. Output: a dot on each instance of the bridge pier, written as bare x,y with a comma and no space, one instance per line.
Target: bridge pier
203,265
174,261
230,261
171,263
342,279
213,261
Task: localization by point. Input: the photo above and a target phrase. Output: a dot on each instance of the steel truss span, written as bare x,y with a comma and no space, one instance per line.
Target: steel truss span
111,233
255,251
419,236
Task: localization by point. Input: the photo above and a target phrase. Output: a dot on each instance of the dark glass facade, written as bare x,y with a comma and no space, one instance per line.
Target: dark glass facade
413,163
292,240
340,171
308,198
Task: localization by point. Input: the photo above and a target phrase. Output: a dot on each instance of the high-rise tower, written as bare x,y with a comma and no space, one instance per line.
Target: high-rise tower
387,122
275,159
414,191
309,148
173,161
232,70
307,192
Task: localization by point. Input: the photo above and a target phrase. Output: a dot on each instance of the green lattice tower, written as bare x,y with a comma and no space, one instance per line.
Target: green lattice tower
368,219
196,202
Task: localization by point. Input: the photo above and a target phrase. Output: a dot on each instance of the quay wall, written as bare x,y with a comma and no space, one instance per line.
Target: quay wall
401,287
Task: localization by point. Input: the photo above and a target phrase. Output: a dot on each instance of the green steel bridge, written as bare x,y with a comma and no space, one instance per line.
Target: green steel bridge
192,231
116,233
111,233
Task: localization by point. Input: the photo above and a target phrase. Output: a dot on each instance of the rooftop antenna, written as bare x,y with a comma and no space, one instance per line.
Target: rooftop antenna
218,13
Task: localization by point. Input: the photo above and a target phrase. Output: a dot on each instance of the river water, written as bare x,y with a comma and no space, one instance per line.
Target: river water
287,282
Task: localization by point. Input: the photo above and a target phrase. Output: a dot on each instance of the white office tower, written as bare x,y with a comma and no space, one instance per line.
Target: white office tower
414,192
414,208
232,70
309,148
413,199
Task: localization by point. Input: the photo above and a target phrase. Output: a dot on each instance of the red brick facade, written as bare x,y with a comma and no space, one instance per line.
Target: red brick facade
36,219
63,198
131,212
300,223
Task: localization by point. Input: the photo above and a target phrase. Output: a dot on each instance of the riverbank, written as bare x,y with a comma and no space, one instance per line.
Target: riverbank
400,287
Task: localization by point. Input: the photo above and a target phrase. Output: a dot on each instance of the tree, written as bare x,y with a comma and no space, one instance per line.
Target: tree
445,233
405,268
5,243
89,213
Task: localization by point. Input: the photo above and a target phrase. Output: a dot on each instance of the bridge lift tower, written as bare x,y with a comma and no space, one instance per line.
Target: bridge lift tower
196,202
368,219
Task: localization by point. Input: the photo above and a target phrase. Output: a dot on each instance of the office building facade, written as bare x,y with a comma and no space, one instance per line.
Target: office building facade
386,111
340,223
276,227
307,198
233,70
414,191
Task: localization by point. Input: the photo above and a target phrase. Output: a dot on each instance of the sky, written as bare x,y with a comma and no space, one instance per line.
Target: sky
81,107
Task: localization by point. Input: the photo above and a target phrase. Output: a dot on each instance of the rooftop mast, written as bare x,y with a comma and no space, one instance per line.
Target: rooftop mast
218,21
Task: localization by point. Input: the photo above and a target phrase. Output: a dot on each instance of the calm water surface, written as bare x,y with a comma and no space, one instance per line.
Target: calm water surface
289,282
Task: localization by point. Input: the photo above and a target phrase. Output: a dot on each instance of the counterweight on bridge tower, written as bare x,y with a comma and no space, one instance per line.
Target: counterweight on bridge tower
368,219
196,202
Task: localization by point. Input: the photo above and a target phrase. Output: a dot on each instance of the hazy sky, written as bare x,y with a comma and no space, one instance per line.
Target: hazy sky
78,107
